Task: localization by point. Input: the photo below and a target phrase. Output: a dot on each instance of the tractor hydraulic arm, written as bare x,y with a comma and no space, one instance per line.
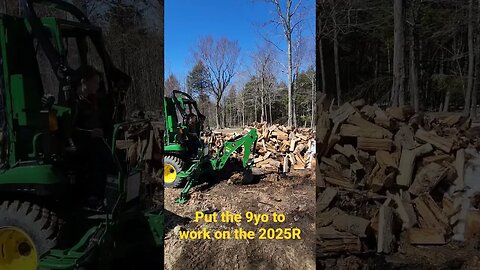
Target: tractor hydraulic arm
248,142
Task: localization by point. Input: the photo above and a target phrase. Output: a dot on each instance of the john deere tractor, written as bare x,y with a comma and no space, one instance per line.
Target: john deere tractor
186,156
44,223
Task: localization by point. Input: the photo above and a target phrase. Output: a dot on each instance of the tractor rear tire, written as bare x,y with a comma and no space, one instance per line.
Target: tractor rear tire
34,229
171,166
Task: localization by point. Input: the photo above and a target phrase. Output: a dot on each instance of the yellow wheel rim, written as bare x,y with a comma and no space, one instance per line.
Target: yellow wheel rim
169,173
17,250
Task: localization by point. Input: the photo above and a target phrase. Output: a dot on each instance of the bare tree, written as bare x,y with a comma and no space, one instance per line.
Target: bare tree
221,59
468,93
413,82
287,18
473,110
171,83
398,87
263,61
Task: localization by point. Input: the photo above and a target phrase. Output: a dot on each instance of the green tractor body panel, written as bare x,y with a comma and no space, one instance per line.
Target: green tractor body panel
31,174
30,132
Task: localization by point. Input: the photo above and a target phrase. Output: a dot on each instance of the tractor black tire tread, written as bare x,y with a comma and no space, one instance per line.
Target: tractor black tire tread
41,224
179,165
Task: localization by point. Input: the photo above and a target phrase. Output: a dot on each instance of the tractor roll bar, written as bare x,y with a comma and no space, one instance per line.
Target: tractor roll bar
63,71
191,101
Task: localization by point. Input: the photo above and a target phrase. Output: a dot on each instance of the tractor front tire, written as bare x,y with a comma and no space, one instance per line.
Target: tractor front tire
171,167
27,231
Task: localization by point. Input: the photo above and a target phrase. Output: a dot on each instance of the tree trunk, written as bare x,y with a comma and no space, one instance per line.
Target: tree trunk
446,102
388,59
322,61
398,88
468,93
473,110
413,62
255,108
294,97
262,101
217,113
337,66
290,81
312,123
243,109
270,104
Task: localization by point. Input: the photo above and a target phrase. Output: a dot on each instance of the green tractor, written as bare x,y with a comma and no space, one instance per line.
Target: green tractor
186,156
43,221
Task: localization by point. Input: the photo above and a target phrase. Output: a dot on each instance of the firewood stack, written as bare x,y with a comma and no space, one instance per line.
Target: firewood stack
278,148
143,143
387,175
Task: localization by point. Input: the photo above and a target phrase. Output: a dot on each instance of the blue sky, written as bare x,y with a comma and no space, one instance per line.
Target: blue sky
186,21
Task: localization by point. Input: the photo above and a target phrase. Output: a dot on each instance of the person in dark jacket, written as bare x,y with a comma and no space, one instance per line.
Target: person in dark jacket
89,134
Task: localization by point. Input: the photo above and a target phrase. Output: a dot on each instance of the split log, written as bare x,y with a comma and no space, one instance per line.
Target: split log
405,211
352,224
386,238
341,182
358,103
379,178
427,178
326,198
347,150
369,144
347,130
407,163
331,241
342,113
326,218
368,111
428,218
286,165
437,159
385,159
356,119
459,183
381,118
341,159
405,138
437,141
426,236
435,209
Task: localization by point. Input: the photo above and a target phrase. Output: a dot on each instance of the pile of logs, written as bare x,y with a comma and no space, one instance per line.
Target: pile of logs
388,175
278,148
143,143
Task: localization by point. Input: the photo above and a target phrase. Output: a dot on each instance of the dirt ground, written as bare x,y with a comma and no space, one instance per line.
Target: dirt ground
292,195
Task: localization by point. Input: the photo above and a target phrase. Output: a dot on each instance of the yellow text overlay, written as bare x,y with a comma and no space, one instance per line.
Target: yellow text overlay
260,220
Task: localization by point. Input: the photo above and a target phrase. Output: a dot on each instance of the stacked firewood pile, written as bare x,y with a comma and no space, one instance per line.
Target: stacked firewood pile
278,148
143,143
388,175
